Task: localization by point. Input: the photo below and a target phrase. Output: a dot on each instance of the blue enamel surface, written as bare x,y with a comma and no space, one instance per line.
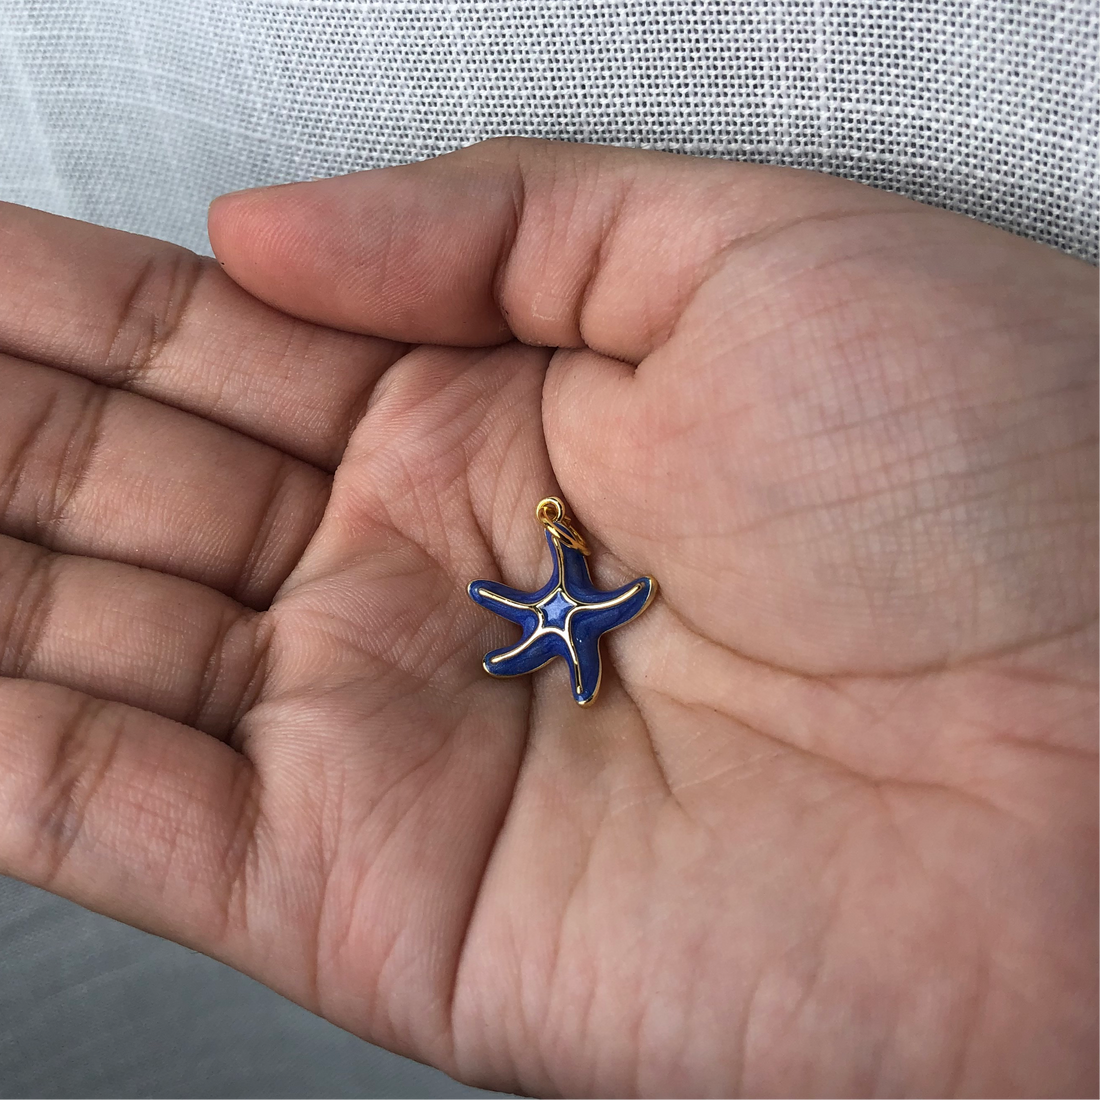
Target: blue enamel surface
556,609
559,620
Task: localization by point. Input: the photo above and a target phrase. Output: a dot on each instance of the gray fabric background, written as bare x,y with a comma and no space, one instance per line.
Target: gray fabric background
135,113
92,1008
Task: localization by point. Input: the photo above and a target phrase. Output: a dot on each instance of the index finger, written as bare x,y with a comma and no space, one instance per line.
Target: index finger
555,243
140,314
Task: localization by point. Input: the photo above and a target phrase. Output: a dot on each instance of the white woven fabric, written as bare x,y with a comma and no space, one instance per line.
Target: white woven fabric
134,113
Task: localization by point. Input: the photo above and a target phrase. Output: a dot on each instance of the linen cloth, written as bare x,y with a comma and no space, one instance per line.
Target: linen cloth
135,113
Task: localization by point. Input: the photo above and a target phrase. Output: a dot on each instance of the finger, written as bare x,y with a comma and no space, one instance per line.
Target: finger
90,470
130,635
858,443
150,317
556,243
125,812
816,407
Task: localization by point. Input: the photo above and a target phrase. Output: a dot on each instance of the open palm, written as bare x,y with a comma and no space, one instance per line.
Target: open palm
829,828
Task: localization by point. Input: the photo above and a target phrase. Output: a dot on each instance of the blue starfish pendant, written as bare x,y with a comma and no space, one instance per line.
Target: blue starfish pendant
566,616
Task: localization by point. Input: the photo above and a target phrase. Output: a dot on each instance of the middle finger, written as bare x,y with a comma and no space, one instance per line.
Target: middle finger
89,470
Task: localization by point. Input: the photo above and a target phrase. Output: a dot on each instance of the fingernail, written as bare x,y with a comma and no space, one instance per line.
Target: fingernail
264,187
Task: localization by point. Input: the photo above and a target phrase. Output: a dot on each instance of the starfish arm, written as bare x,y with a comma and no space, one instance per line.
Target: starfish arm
527,655
587,667
559,563
621,605
507,602
572,567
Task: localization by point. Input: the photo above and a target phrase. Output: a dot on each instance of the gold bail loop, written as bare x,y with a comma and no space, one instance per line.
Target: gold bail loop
551,514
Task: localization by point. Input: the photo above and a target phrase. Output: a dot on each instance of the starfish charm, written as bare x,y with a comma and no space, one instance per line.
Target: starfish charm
566,616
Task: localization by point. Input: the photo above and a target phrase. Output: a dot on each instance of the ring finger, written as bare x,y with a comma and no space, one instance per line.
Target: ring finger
129,635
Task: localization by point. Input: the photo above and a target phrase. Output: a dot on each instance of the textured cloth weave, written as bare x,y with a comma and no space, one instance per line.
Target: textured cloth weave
134,113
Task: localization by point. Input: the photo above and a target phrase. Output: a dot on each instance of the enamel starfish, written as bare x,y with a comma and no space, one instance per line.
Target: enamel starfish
566,616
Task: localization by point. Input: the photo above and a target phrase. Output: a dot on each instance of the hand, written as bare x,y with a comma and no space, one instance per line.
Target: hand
829,829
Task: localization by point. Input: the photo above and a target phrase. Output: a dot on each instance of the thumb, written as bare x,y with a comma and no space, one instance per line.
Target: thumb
553,243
